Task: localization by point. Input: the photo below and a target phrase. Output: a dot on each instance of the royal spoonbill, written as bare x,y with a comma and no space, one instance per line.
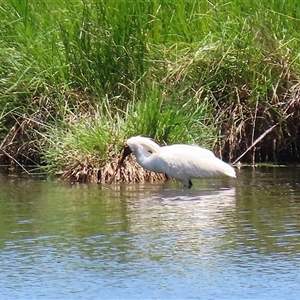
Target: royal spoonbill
183,162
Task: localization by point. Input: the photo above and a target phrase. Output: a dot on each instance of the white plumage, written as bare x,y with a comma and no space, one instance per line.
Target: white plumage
183,162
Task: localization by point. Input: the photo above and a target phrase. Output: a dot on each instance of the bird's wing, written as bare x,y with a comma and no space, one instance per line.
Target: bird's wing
187,149
191,162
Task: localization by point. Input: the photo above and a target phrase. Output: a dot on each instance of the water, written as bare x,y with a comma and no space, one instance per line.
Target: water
223,239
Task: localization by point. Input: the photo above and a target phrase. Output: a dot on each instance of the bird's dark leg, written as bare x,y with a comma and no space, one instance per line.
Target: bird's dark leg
167,177
190,183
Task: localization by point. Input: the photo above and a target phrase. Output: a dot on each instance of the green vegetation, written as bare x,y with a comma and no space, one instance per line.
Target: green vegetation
79,77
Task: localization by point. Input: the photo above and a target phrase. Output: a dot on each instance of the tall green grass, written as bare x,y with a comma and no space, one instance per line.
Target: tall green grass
97,135
107,47
207,72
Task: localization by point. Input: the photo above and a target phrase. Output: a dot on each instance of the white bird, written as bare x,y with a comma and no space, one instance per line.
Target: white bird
183,162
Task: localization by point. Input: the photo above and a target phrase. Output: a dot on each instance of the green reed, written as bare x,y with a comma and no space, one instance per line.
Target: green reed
172,70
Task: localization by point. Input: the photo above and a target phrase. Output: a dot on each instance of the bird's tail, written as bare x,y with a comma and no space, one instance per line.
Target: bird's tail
229,170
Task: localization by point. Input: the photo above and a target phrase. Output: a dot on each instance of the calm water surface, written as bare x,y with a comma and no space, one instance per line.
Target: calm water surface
223,239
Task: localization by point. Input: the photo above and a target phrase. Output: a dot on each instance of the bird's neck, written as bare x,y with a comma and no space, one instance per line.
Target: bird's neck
143,157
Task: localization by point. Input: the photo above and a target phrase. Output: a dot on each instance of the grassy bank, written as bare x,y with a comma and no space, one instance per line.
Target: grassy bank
78,78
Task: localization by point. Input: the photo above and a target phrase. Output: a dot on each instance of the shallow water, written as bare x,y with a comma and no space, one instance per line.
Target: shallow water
223,239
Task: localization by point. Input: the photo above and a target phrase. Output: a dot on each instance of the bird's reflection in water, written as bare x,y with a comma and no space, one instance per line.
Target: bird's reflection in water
197,216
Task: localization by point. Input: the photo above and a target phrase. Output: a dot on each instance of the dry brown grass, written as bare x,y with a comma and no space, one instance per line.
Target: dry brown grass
130,172
269,132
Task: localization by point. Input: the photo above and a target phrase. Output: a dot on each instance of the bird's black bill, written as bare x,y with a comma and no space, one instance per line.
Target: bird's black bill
127,151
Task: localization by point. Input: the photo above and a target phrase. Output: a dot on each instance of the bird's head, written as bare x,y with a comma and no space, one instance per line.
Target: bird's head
138,144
